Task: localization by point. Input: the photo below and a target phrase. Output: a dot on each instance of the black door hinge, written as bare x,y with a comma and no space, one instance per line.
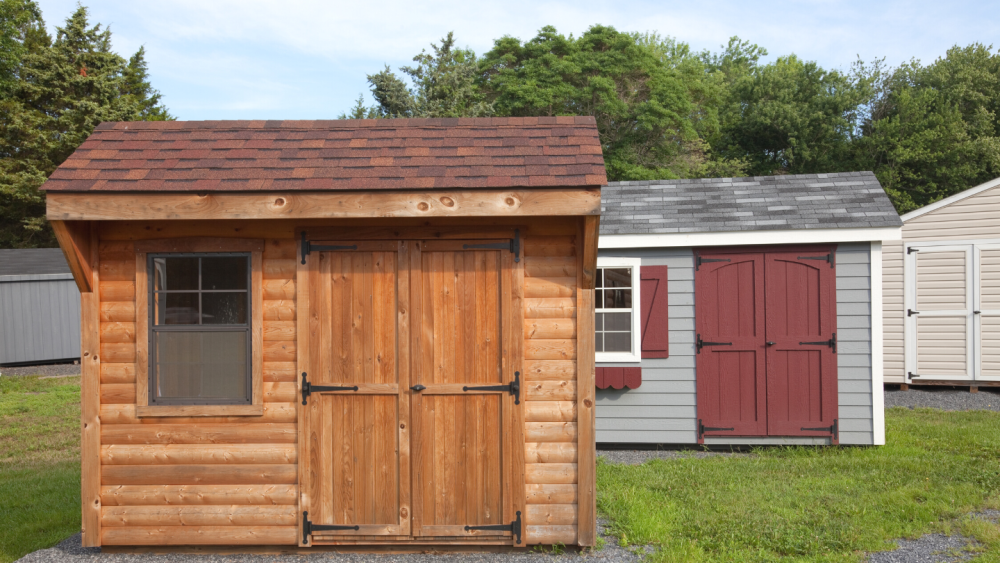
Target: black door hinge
911,312
308,247
701,343
514,528
514,387
699,260
308,528
911,250
514,245
827,258
832,343
832,429
309,388
911,375
702,429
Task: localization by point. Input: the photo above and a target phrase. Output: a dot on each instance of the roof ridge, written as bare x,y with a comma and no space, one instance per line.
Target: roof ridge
312,124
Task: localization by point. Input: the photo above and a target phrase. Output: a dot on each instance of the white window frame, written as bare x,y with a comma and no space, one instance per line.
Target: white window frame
635,356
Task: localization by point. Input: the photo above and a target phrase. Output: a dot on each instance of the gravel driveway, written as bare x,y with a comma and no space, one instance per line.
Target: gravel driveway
47,370
945,398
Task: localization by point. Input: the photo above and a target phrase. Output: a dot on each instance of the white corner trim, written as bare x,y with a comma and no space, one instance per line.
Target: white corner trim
951,199
878,373
734,238
636,355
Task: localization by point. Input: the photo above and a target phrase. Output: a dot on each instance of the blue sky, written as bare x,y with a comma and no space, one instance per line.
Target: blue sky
307,59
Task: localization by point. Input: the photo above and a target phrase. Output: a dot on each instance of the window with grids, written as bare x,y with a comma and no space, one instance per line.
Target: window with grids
613,301
199,329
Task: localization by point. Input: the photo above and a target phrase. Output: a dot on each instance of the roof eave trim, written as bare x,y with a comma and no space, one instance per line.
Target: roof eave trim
740,238
951,199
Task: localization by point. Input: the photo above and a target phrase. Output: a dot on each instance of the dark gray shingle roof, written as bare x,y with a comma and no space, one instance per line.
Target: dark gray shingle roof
31,261
760,203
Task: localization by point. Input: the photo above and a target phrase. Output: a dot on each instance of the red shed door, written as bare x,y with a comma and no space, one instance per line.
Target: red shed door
801,364
729,320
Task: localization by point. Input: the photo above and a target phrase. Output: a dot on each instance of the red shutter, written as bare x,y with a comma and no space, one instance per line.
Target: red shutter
654,313
618,377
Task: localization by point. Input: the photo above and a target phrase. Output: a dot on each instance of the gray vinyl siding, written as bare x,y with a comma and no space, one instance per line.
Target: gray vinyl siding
663,410
39,318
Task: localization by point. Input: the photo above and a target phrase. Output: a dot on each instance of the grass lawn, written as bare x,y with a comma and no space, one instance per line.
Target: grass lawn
792,504
815,504
39,463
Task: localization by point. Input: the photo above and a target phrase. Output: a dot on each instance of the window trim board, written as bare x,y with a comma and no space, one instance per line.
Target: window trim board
207,245
636,355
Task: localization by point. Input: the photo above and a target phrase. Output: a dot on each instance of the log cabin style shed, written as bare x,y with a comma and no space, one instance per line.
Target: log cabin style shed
942,283
305,333
742,311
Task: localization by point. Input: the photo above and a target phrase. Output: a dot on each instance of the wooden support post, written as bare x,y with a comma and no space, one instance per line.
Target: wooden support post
90,398
973,389
904,387
587,447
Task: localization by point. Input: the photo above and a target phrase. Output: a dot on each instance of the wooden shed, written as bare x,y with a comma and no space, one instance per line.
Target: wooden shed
742,311
309,333
942,293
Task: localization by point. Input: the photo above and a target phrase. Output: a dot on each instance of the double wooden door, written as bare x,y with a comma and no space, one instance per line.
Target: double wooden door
412,423
766,343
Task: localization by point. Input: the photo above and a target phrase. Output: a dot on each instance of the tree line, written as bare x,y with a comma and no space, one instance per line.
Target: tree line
663,110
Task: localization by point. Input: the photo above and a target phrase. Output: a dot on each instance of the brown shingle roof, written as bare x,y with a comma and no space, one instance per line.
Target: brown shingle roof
335,155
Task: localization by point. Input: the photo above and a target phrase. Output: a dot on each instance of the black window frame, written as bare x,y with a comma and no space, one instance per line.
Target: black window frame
153,328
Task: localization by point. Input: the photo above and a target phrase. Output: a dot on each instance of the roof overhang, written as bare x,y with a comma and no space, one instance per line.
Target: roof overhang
740,238
950,200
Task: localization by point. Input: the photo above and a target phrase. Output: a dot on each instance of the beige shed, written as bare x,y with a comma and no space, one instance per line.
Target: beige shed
942,292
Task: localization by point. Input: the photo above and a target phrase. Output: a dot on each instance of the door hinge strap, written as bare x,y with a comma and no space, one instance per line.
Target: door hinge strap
701,343
308,528
832,429
911,312
911,250
309,389
702,429
832,343
912,375
514,387
514,528
308,247
827,258
699,260
514,245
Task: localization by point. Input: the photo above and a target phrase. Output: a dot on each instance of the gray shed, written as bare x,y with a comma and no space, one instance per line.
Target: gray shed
740,311
39,307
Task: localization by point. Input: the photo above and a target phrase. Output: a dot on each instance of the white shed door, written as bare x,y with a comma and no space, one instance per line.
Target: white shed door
987,311
939,318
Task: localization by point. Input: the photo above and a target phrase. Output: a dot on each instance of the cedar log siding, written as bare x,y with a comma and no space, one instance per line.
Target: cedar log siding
233,480
664,409
972,218
197,480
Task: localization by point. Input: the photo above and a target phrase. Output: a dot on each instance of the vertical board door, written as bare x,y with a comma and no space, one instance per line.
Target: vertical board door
357,470
939,324
465,438
987,312
801,365
729,319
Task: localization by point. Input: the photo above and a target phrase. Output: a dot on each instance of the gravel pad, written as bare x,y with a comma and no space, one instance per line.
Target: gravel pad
46,370
638,457
70,551
932,548
944,398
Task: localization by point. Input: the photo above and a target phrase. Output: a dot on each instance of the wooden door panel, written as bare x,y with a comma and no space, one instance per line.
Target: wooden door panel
801,363
729,305
458,436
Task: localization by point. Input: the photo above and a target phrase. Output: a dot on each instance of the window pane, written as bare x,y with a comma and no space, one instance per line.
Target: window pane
617,299
599,322
617,342
617,277
599,282
618,322
176,273
599,342
176,308
224,308
224,272
201,365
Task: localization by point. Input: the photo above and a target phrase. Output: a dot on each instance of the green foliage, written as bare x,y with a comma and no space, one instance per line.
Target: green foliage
63,89
810,504
15,17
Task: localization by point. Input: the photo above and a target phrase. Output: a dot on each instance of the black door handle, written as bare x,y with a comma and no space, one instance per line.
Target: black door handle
769,343
418,387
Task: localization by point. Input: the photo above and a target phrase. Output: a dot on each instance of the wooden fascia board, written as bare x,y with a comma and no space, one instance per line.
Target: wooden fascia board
75,241
105,206
591,233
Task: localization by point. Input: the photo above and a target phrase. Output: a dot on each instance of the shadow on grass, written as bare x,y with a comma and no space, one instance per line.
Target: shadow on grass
40,507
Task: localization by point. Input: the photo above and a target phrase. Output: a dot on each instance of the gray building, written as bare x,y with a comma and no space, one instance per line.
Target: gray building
742,311
39,307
